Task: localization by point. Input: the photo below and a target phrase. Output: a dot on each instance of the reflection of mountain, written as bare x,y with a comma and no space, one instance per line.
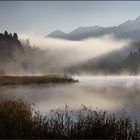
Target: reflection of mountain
129,29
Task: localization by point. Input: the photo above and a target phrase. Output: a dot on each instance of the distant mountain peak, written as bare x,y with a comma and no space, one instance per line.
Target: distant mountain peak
129,22
57,34
129,29
126,23
138,18
85,29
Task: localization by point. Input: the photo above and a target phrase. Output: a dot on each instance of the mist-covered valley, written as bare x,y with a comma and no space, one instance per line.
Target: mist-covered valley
33,54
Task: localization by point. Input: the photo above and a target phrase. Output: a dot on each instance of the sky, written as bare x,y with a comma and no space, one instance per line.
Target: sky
43,17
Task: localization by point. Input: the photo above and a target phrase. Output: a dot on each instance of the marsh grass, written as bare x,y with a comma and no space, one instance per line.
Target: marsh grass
18,119
25,80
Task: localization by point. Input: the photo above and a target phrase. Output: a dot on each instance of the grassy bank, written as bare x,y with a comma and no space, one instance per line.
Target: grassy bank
19,119
24,80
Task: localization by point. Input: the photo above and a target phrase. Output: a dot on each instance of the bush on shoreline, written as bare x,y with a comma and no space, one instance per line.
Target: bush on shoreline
18,119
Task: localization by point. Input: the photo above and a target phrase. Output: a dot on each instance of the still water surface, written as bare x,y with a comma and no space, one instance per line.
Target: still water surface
102,92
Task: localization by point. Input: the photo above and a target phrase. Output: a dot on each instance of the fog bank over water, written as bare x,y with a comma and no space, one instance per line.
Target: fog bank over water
110,93
66,53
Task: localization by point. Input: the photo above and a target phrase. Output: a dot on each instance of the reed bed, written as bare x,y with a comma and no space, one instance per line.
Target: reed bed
19,119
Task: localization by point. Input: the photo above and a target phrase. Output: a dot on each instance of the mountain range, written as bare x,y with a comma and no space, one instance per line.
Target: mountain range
127,30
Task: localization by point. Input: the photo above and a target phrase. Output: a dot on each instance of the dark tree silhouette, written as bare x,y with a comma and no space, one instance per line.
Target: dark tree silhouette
10,35
15,36
5,33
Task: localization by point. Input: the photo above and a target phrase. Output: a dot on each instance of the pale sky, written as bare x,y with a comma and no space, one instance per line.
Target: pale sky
43,17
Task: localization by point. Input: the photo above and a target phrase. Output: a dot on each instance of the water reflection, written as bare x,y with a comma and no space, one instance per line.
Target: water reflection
109,93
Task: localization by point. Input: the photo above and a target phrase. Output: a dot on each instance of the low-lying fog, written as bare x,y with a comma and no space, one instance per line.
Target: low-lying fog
111,93
64,53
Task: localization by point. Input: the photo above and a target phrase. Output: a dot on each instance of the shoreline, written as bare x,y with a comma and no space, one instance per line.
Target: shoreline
25,80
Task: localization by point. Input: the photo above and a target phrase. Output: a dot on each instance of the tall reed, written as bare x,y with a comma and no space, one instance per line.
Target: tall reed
19,119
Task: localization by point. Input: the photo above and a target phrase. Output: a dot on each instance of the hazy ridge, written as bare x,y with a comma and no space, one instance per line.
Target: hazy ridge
127,30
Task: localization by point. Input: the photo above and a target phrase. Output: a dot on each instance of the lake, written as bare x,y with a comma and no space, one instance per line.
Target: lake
112,93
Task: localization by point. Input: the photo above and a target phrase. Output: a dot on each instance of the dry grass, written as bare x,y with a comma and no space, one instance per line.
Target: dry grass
15,80
19,119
